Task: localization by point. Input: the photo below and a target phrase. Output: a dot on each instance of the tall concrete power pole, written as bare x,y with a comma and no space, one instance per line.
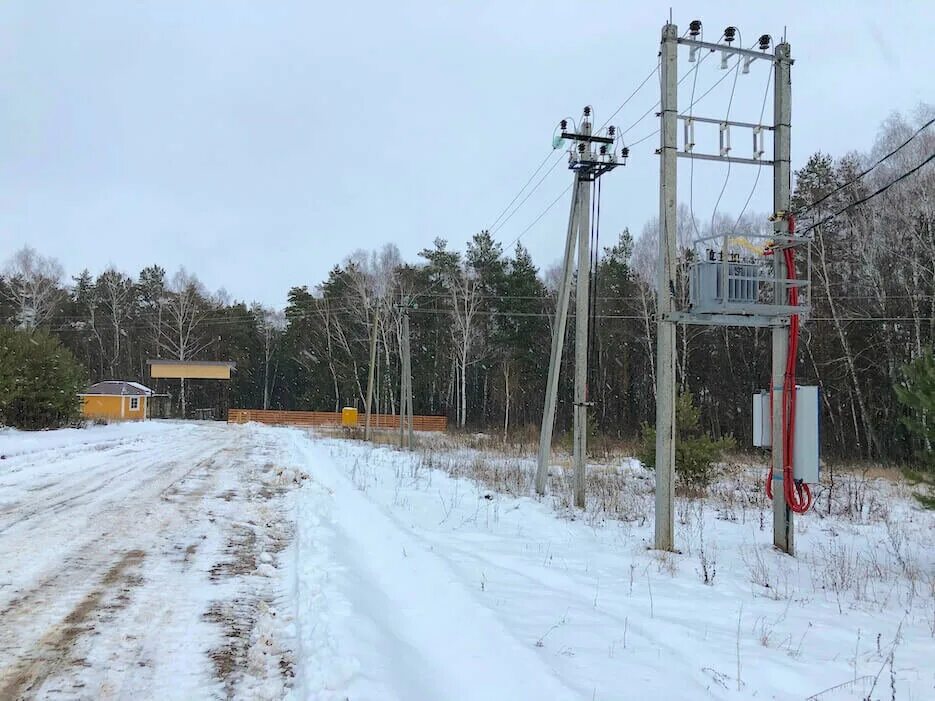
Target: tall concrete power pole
582,308
725,287
588,163
665,284
558,340
783,532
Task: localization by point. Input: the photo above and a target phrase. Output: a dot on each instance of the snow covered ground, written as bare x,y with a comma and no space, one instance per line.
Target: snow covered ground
145,561
189,561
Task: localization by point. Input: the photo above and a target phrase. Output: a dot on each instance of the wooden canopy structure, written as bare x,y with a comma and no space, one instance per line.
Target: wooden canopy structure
191,369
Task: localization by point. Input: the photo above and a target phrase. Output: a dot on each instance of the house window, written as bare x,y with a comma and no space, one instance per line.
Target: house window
134,403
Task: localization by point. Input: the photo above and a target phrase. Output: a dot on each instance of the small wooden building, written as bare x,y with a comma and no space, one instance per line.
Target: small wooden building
191,369
116,400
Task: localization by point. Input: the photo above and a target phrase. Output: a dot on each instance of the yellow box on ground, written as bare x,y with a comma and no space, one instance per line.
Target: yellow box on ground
349,416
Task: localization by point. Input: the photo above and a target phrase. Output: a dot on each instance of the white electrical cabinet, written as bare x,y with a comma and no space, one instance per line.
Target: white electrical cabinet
762,423
806,450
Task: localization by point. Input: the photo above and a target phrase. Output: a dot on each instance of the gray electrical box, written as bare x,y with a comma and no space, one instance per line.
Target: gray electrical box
706,284
806,451
762,421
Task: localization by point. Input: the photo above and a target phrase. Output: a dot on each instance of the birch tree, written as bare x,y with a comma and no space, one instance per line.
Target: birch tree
270,325
33,287
187,308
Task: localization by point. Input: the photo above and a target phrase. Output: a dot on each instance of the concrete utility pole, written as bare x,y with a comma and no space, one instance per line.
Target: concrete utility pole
558,340
409,414
582,305
666,268
783,531
373,361
405,391
725,289
588,164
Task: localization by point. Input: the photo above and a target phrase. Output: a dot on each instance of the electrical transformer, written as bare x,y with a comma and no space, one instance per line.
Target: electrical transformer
806,451
707,288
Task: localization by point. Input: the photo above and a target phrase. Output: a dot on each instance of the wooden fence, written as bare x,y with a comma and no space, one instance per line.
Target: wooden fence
330,418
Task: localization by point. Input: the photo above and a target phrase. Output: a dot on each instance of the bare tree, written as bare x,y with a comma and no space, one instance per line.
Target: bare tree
187,307
327,319
33,287
465,302
115,295
270,323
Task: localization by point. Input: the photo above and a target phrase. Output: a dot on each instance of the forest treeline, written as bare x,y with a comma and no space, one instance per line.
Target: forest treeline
481,319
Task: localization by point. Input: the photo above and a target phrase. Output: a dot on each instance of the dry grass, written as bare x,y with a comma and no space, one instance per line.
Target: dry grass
857,492
866,536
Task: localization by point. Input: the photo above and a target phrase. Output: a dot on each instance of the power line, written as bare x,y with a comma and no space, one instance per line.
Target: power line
516,197
730,103
645,138
691,174
528,195
541,214
759,168
498,224
495,227
870,168
682,113
656,104
869,197
632,94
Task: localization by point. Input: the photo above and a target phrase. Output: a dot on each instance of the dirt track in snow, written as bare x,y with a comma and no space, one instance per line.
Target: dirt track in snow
137,567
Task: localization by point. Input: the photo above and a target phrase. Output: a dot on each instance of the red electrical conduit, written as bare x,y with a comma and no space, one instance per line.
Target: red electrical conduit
797,493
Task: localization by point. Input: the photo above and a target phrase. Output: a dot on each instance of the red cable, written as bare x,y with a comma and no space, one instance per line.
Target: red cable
797,494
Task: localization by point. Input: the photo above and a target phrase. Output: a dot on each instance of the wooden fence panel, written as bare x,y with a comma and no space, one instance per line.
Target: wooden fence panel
329,418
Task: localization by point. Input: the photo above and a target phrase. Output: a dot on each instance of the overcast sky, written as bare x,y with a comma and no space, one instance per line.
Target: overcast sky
259,143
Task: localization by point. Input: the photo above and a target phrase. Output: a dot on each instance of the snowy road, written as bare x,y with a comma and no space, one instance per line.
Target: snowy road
129,562
174,561
205,561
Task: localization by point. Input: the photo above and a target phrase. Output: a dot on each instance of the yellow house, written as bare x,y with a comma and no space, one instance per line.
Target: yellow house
115,400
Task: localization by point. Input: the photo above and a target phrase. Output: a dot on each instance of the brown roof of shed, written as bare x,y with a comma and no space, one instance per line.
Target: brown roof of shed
119,388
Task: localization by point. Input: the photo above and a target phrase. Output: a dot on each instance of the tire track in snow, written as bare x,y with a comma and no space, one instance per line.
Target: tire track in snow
136,513
417,631
52,652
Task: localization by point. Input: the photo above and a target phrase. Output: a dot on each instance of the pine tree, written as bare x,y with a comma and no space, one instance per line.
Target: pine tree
917,395
696,452
39,381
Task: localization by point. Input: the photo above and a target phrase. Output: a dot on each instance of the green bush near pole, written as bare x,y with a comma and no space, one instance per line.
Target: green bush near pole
916,393
696,453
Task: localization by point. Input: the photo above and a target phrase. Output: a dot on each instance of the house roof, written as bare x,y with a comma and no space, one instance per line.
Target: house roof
119,388
162,361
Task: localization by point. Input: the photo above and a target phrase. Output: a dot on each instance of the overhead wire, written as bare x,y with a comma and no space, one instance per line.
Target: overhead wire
867,198
593,263
622,133
522,189
694,102
630,97
657,102
691,173
867,170
539,217
355,310
529,194
759,168
137,322
730,103
497,226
